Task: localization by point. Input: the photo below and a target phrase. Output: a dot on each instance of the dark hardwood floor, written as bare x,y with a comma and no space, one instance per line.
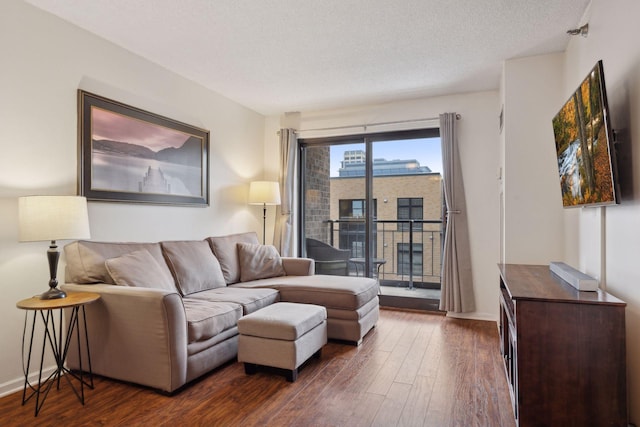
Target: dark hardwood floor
413,369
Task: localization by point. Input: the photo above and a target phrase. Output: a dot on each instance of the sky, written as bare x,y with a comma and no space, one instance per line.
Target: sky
116,127
427,151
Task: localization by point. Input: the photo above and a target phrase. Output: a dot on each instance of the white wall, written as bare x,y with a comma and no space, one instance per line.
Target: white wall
44,62
533,217
479,151
607,240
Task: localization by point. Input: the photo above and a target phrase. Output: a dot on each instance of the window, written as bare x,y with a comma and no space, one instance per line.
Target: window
410,208
351,208
341,176
352,225
404,256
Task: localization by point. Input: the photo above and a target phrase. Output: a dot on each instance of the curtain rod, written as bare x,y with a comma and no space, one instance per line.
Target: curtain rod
426,119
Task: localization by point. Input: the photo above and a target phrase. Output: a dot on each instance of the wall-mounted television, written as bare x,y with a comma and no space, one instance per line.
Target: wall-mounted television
584,145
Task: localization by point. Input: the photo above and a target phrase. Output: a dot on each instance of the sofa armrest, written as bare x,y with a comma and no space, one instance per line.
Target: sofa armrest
135,334
298,266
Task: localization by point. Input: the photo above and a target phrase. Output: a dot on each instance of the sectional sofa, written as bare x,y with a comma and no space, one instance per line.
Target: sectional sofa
168,311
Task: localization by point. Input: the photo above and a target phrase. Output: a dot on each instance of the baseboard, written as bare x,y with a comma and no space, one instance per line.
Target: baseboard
421,304
476,315
16,385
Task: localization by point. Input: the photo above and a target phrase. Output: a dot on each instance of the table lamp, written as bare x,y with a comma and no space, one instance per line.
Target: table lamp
264,193
51,218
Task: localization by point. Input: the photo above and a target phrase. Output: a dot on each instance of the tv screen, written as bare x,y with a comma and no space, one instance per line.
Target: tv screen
584,145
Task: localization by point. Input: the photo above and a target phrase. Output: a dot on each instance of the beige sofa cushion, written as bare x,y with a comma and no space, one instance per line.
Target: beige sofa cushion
139,269
193,266
259,262
339,292
85,259
206,319
250,299
224,248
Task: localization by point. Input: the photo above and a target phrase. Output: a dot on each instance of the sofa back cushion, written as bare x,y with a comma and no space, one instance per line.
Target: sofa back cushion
259,262
225,249
85,259
193,265
139,269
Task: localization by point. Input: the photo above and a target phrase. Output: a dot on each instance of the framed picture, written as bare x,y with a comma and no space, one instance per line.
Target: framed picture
131,155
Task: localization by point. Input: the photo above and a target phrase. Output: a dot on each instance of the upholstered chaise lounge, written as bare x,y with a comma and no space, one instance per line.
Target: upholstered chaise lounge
168,311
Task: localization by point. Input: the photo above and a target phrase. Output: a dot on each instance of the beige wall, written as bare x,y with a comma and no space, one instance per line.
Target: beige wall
44,62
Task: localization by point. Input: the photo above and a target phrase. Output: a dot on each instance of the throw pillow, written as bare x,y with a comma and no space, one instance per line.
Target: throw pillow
193,265
139,269
259,262
225,249
85,259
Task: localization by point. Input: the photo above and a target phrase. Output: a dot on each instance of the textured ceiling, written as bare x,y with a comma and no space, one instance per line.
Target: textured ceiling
275,56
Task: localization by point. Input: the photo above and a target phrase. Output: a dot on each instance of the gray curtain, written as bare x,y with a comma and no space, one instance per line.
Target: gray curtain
456,278
285,232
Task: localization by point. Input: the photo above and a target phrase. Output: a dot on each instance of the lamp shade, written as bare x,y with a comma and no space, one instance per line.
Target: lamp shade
264,193
43,218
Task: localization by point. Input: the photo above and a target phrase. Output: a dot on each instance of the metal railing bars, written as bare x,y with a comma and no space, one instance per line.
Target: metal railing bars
351,229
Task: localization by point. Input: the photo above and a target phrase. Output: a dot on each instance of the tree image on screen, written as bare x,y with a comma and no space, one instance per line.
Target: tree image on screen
582,146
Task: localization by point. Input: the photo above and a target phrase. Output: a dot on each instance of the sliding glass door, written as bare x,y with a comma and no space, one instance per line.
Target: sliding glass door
372,206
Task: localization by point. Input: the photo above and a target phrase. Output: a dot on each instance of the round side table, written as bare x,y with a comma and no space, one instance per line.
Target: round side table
58,339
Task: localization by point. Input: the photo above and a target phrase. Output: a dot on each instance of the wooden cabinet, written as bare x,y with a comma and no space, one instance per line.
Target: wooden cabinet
564,350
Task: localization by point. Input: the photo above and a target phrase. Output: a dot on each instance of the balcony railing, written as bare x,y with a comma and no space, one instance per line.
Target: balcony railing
407,251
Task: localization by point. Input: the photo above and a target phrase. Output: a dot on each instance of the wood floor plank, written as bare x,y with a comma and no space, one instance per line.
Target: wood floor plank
431,359
412,369
396,324
415,409
440,411
387,374
487,402
416,354
391,409
287,409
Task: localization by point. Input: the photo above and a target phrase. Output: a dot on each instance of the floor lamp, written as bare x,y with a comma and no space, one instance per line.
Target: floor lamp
264,193
51,218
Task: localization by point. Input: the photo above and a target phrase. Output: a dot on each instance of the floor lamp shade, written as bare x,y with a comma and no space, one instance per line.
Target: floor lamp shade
51,218
264,193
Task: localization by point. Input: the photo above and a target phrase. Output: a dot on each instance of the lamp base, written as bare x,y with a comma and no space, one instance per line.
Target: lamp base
53,256
53,293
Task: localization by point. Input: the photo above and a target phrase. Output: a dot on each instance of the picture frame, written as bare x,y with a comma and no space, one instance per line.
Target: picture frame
130,155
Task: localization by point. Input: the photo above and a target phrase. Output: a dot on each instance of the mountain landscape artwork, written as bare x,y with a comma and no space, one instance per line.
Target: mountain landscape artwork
133,155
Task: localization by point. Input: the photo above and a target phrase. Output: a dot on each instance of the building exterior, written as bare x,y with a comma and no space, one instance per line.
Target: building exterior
396,197
354,165
402,190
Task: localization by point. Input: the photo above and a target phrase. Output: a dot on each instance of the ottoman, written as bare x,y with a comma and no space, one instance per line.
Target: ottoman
283,335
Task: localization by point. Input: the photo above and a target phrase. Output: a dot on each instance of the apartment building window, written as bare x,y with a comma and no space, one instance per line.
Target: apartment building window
352,225
404,259
410,208
351,208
